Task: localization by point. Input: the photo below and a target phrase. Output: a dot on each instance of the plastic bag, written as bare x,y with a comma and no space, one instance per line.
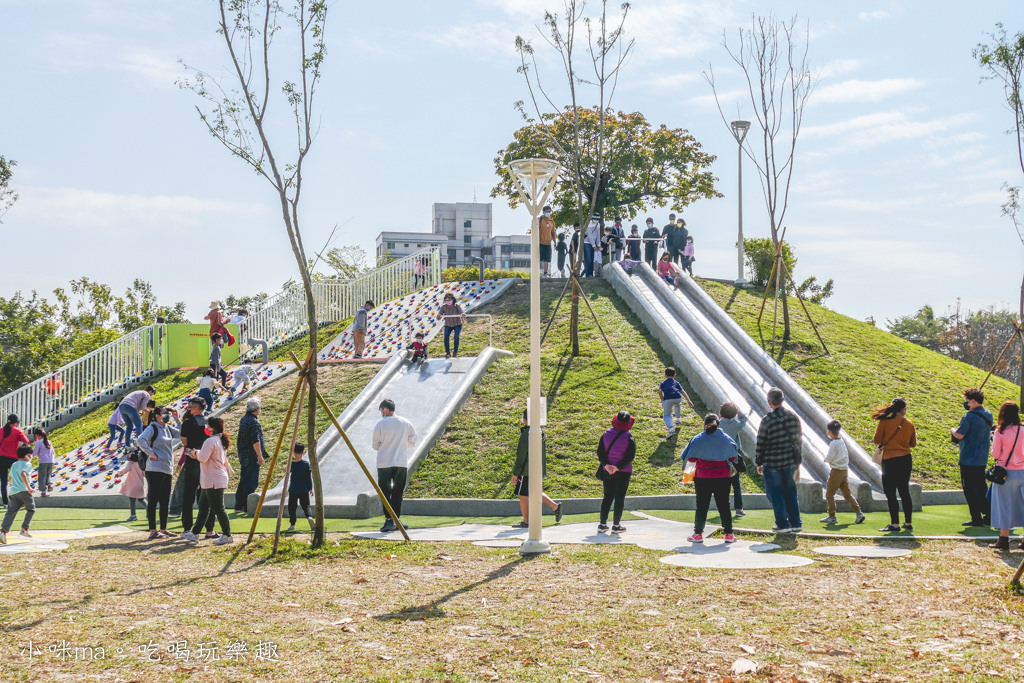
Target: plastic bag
689,471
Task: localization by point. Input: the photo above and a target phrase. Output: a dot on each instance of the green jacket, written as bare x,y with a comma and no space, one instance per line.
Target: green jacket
522,466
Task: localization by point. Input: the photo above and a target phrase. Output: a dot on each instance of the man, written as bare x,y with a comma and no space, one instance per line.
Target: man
974,436
193,434
777,456
251,450
546,237
521,477
359,329
651,238
241,319
392,438
620,239
591,246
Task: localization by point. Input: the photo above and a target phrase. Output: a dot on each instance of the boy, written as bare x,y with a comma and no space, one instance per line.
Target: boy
20,494
419,349
299,486
731,422
671,394
839,460
217,342
240,377
521,481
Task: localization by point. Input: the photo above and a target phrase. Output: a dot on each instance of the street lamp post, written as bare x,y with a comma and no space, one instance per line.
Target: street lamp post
739,131
535,179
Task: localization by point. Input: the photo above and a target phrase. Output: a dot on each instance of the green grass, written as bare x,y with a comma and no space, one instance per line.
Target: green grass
868,367
300,344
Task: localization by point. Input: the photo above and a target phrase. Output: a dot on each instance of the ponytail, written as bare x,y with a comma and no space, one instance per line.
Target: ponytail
216,426
890,411
12,420
39,431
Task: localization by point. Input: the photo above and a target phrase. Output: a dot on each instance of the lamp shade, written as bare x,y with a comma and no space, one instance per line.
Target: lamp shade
529,171
739,129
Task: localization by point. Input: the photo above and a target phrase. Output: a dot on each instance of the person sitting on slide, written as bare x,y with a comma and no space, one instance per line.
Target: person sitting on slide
667,270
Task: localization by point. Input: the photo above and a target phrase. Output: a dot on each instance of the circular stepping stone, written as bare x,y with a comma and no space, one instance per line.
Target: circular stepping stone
872,551
33,547
737,559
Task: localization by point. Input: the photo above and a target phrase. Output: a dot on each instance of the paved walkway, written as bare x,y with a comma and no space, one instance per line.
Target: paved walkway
44,540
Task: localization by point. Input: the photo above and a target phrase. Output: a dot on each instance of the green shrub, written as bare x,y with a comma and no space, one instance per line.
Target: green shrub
759,254
455,274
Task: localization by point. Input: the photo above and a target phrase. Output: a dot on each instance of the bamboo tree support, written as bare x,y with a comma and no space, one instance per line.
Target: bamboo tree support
334,420
800,298
771,279
280,439
1018,333
288,470
1017,576
573,277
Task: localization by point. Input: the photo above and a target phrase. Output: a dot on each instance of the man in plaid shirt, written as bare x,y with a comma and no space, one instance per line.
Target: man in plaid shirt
778,458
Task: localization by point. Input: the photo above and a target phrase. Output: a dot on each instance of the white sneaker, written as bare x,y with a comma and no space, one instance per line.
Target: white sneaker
25,533
291,528
312,522
189,536
670,434
226,539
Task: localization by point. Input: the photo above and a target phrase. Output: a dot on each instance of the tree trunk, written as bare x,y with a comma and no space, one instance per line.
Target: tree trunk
311,407
785,305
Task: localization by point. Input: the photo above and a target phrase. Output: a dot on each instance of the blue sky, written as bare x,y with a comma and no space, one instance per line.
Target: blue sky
896,189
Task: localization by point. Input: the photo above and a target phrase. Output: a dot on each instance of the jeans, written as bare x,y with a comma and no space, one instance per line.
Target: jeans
392,483
588,259
737,492
972,481
116,432
132,420
5,468
705,489
447,333
207,396
211,504
297,499
21,499
190,493
896,478
248,482
615,488
780,486
45,470
671,407
159,485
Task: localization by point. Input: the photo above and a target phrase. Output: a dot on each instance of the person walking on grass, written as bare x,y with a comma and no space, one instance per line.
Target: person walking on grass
521,478
21,492
10,437
615,451
300,483
157,443
778,457
732,423
973,437
838,459
671,393
896,436
44,454
251,451
715,455
189,470
393,436
453,317
1008,497
214,472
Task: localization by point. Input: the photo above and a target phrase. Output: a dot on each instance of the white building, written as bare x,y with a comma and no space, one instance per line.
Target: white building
396,245
468,227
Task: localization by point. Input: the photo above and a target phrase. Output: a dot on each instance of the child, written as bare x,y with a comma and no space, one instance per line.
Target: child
671,394
240,378
839,460
731,422
688,256
667,270
633,243
299,486
45,454
117,431
217,342
20,494
419,349
561,248
206,385
521,479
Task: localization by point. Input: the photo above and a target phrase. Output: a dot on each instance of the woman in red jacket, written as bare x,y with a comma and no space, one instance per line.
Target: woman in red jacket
10,437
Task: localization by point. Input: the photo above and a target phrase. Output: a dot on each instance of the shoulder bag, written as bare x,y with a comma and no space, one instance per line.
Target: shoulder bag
876,457
997,473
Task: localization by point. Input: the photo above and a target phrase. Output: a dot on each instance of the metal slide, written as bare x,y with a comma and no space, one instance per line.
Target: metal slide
428,395
723,363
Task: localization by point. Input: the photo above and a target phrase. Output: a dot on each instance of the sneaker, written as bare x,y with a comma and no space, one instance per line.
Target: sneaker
780,529
521,525
670,434
890,527
908,527
227,539
25,533
558,513
602,527
211,535
387,527
831,519
291,528
729,538
695,538
618,528
189,536
312,522
164,533
3,538
738,514
796,529
132,518
860,518
153,535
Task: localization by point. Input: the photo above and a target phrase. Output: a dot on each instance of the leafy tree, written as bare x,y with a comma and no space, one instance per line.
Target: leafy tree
347,262
759,254
923,328
92,306
7,194
641,167
251,303
977,337
29,342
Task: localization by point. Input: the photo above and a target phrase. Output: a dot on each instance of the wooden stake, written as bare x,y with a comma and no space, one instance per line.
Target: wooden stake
1020,572
800,298
555,313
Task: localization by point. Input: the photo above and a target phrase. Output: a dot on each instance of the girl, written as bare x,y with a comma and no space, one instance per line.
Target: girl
206,385
713,451
896,435
688,256
157,442
667,270
453,316
10,436
616,451
117,431
215,470
45,453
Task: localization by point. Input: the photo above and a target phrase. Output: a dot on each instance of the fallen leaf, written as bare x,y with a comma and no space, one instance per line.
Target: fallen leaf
916,654
346,620
744,666
361,579
582,643
386,658
292,604
348,628
749,650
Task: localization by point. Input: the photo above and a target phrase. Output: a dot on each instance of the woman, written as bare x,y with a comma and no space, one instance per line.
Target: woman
616,451
214,472
157,443
714,452
1008,498
10,436
896,435
453,316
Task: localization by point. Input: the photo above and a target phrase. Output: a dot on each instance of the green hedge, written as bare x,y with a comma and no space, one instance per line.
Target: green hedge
460,273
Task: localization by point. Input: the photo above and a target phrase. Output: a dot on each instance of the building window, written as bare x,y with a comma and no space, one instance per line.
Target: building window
467,239
520,248
451,255
468,224
391,245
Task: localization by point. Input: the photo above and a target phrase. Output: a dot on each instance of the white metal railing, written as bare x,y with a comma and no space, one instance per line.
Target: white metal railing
93,378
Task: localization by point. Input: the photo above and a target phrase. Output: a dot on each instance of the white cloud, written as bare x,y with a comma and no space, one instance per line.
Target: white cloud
877,205
865,91
840,67
667,81
870,130
78,54
877,15
725,97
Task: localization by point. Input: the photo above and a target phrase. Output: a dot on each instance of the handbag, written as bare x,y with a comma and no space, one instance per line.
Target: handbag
997,473
876,457
602,473
740,465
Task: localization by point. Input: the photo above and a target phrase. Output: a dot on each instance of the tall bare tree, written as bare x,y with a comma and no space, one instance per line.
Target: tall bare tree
236,114
779,82
605,50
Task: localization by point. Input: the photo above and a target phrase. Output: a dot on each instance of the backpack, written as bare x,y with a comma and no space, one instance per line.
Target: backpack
138,456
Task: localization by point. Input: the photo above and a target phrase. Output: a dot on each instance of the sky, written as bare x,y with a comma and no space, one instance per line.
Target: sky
895,192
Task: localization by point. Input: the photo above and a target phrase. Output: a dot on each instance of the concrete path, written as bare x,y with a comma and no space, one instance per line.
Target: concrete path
44,540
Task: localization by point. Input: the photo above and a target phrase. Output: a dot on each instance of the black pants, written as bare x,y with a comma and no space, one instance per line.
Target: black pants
159,485
294,501
651,255
392,482
719,487
211,504
896,479
972,481
190,493
615,488
5,468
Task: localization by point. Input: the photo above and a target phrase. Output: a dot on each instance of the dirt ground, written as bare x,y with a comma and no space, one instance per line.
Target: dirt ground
126,609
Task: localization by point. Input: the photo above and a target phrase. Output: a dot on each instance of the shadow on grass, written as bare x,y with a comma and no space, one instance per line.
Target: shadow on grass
665,454
433,609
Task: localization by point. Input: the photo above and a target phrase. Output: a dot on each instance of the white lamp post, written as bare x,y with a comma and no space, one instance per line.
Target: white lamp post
739,131
535,179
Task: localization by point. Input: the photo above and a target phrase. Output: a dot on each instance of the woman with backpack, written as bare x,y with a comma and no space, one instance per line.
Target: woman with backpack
616,451
157,442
